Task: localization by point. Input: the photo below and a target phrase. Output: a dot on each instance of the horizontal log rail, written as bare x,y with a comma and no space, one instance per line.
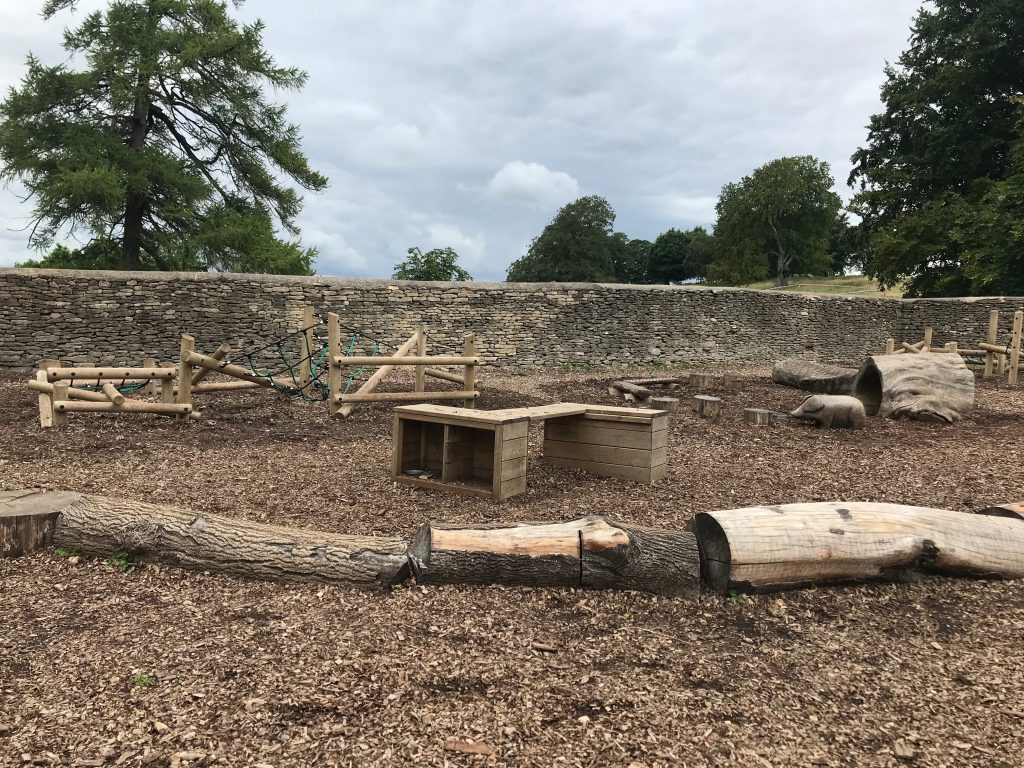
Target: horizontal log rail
73,392
454,378
404,397
343,360
128,406
112,374
235,371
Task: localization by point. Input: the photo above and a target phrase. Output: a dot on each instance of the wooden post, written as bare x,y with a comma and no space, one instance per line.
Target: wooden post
334,372
951,347
927,347
153,388
707,407
45,403
469,350
219,354
305,367
1018,322
757,416
421,351
60,392
990,338
890,346
166,386
188,345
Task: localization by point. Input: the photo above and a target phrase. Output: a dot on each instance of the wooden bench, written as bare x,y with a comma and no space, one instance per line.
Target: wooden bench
483,453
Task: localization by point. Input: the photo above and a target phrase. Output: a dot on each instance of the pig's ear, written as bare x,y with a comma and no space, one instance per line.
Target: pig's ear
807,407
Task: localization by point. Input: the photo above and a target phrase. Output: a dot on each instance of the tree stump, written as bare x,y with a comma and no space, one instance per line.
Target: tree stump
731,380
812,376
930,387
702,381
670,404
590,552
707,407
757,416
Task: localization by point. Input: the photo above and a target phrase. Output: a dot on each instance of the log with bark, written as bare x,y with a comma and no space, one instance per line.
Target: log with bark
812,376
790,545
590,552
100,527
926,386
630,390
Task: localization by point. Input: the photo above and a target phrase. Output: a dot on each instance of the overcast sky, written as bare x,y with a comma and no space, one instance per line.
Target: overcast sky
468,124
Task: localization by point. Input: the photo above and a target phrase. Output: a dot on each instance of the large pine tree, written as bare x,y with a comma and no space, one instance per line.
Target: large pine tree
163,148
938,182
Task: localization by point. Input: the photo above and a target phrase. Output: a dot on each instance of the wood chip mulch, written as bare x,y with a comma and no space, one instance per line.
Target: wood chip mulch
159,667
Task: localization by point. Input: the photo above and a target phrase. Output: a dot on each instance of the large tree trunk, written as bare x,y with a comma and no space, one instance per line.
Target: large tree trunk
136,200
931,387
791,545
589,552
93,525
813,376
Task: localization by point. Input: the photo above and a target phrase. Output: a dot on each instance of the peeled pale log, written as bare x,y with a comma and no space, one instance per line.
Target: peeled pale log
812,376
928,387
790,545
93,525
589,552
629,388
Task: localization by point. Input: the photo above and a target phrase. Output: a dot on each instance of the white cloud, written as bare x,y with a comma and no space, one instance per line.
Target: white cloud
469,247
688,211
532,183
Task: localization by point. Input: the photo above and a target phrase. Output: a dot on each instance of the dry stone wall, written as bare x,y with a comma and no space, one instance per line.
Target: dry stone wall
121,317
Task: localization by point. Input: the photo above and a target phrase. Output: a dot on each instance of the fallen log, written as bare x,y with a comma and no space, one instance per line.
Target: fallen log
629,388
590,552
812,376
1016,511
785,546
927,387
100,527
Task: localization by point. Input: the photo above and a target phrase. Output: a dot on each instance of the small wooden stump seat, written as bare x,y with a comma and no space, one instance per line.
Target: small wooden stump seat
483,453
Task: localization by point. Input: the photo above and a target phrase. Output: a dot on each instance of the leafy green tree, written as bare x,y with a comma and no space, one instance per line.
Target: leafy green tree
579,245
936,175
164,143
631,259
846,246
438,264
678,256
777,220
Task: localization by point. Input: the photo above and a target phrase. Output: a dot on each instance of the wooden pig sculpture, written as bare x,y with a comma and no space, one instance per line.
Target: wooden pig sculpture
829,411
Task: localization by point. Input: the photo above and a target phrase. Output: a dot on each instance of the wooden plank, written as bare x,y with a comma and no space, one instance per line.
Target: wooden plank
512,468
583,432
437,485
455,412
514,448
513,487
606,454
637,474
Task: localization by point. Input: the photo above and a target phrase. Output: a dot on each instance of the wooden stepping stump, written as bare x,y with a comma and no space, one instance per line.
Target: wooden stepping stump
708,407
702,381
757,416
670,404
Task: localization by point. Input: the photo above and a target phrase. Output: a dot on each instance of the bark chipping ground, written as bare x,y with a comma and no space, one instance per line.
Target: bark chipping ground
158,667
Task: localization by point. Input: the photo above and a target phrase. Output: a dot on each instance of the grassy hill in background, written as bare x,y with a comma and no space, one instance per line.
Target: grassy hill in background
858,284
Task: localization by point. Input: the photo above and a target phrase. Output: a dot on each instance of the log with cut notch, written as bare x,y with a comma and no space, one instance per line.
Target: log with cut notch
790,545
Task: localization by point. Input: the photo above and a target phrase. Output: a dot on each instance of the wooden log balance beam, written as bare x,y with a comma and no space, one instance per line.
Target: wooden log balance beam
359,360
128,406
235,371
130,375
73,392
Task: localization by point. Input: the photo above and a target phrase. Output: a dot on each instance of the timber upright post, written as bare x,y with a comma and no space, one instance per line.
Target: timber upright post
469,371
1018,328
890,346
334,371
990,338
927,339
46,415
421,351
306,366
188,346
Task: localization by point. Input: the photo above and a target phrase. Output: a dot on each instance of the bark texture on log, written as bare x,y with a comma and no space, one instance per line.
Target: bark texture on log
97,526
589,552
791,545
629,388
926,387
707,407
812,376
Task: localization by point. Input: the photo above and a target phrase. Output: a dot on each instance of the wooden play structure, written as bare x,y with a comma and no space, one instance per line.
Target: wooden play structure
484,453
301,365
1001,354
751,549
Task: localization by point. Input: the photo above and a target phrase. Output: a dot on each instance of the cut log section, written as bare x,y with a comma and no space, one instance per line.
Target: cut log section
670,404
96,526
590,552
812,376
757,416
707,407
702,381
928,387
791,545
